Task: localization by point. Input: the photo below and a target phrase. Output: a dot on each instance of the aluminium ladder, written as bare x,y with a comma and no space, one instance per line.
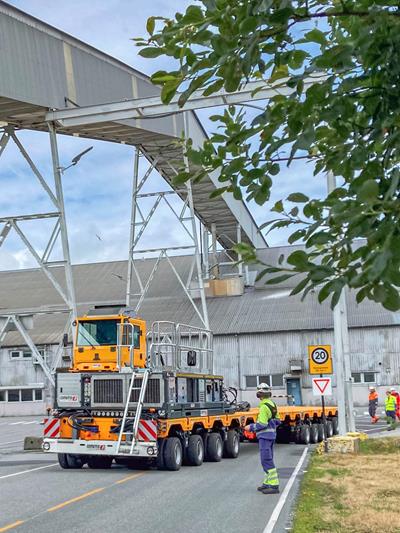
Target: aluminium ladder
133,434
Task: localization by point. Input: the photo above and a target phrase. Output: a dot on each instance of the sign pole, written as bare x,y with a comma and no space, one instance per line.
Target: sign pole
324,420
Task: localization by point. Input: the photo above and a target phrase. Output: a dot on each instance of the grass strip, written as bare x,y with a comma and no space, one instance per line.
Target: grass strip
351,493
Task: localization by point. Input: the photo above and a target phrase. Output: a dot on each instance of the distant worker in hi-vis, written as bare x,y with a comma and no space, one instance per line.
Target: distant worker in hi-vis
390,410
265,429
373,405
396,396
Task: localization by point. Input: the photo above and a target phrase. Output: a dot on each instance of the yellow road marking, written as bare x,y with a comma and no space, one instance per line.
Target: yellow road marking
127,478
73,500
11,526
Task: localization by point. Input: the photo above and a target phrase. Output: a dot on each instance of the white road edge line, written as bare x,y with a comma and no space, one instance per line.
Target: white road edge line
11,442
27,471
282,500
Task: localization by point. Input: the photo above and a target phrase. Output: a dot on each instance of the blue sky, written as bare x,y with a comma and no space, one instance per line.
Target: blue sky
97,203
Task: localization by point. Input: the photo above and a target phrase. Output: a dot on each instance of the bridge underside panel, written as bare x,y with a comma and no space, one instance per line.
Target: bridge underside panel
43,68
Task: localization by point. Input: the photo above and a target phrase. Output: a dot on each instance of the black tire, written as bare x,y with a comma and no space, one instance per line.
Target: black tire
321,432
335,425
63,462
305,434
215,447
296,435
99,462
75,461
195,451
329,428
160,455
314,433
284,434
173,454
231,445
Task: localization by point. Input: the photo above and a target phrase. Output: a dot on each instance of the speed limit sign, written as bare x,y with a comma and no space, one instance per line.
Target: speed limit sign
320,359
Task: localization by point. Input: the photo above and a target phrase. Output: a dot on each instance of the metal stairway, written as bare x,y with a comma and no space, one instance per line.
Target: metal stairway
131,436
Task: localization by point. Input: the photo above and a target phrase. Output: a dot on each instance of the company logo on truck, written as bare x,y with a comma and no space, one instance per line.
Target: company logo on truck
72,398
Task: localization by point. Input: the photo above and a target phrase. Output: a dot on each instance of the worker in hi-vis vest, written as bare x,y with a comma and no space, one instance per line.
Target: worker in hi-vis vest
390,410
265,429
373,405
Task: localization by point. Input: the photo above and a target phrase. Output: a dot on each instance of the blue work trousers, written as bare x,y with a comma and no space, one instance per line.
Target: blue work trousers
267,453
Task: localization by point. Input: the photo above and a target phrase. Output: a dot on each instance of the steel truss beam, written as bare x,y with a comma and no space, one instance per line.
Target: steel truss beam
150,107
57,234
139,223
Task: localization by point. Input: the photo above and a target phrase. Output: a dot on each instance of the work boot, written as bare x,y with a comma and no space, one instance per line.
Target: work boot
271,490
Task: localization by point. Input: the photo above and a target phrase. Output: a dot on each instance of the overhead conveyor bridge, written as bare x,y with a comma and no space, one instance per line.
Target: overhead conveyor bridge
43,68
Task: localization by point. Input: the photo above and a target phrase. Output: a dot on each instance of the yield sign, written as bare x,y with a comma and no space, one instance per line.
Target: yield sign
322,386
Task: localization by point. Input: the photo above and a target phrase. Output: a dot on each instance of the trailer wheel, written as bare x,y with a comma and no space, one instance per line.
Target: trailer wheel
321,432
335,425
284,434
100,462
214,448
160,455
314,433
173,454
195,451
329,428
75,461
305,434
232,444
62,459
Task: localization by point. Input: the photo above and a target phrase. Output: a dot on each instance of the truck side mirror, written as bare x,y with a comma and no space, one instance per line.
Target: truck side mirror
191,358
65,340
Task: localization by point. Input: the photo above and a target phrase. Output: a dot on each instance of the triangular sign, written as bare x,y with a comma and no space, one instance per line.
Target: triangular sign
322,384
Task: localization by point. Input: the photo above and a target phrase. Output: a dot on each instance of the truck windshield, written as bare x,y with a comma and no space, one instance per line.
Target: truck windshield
97,333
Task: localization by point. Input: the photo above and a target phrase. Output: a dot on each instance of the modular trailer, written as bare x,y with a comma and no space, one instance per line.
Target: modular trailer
151,398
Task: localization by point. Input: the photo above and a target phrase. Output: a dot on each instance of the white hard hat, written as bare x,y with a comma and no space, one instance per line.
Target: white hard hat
392,389
372,388
263,387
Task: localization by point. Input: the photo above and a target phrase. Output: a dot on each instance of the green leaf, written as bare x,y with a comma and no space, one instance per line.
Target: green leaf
248,25
299,259
316,36
300,286
278,207
150,25
392,300
278,279
368,192
193,14
299,234
169,91
297,197
151,52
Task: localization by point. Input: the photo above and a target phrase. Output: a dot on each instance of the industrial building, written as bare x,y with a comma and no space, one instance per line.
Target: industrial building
259,335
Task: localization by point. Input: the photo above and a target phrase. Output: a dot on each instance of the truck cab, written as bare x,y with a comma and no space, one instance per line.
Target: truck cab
108,343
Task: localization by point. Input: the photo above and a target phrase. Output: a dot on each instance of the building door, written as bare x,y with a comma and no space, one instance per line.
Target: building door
293,388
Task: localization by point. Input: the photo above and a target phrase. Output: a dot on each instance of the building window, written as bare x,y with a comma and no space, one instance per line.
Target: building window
26,395
25,354
21,395
273,380
38,395
364,377
13,395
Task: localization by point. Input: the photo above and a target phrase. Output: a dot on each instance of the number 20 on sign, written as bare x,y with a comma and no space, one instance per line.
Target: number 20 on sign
320,359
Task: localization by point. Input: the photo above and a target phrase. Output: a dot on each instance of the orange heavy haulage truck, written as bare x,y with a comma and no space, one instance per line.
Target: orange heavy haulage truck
135,396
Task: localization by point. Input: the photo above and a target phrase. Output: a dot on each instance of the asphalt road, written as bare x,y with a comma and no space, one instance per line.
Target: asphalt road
37,495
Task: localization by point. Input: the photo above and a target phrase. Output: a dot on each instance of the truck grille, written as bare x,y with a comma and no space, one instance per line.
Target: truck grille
152,392
108,391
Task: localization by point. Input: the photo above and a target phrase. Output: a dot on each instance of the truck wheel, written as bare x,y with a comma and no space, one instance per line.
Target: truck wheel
74,461
321,432
329,428
195,451
98,461
173,454
160,455
283,434
297,437
214,448
335,425
314,433
231,445
62,459
305,434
